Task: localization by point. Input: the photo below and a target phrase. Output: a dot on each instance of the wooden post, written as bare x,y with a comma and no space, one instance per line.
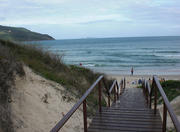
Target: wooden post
155,99
150,100
109,100
147,95
124,83
99,96
114,93
121,87
164,118
85,115
117,90
150,96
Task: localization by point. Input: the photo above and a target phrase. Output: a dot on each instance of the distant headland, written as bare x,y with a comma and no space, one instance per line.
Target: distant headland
21,34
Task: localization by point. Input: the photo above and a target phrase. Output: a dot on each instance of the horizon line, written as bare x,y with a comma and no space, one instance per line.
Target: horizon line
114,37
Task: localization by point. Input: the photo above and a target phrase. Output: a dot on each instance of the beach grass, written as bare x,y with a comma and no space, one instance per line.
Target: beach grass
75,79
171,89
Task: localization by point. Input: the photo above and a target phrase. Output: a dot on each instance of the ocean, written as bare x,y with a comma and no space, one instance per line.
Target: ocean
147,55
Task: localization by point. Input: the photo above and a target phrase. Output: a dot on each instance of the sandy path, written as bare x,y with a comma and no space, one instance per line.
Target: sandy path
37,105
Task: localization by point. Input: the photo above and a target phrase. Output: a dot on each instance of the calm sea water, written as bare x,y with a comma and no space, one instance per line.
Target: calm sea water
148,55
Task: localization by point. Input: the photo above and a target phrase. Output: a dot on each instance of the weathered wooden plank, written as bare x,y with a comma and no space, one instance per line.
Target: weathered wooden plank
123,117
145,122
126,119
127,113
128,116
110,129
129,124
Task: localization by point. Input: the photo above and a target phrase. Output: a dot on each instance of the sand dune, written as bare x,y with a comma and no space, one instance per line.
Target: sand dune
37,105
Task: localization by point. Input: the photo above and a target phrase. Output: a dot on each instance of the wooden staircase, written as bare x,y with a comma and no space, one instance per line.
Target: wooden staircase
131,109
129,113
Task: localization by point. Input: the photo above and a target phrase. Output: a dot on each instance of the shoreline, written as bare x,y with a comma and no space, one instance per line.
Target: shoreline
139,72
168,77
131,80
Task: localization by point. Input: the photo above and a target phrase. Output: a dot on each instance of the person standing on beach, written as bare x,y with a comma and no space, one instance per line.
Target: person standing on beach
132,70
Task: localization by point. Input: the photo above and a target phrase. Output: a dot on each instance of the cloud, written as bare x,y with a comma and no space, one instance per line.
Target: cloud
2,18
109,14
68,20
85,11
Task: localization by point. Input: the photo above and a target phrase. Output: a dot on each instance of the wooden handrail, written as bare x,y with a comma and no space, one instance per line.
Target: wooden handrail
167,105
156,86
76,106
60,124
116,91
148,87
112,86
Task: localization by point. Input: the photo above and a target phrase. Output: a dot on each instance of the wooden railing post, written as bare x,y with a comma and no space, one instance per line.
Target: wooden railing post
121,87
164,118
109,100
150,100
150,96
155,98
144,86
117,90
124,83
147,95
99,84
114,93
85,115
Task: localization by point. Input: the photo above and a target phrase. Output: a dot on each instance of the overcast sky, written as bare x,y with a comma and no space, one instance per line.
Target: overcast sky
65,19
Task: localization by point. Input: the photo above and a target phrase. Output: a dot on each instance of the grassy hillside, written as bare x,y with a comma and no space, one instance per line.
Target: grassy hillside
75,79
21,34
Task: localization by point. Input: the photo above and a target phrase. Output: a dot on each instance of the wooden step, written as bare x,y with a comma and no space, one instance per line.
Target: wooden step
134,126
127,115
132,122
123,129
109,121
127,119
126,109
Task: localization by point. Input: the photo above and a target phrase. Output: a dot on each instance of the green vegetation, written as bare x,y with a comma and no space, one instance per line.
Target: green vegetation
21,34
171,88
8,66
75,79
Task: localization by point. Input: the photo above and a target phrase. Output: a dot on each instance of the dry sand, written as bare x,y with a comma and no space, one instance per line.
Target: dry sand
38,104
130,79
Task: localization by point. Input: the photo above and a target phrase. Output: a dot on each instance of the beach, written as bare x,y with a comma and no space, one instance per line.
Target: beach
132,80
